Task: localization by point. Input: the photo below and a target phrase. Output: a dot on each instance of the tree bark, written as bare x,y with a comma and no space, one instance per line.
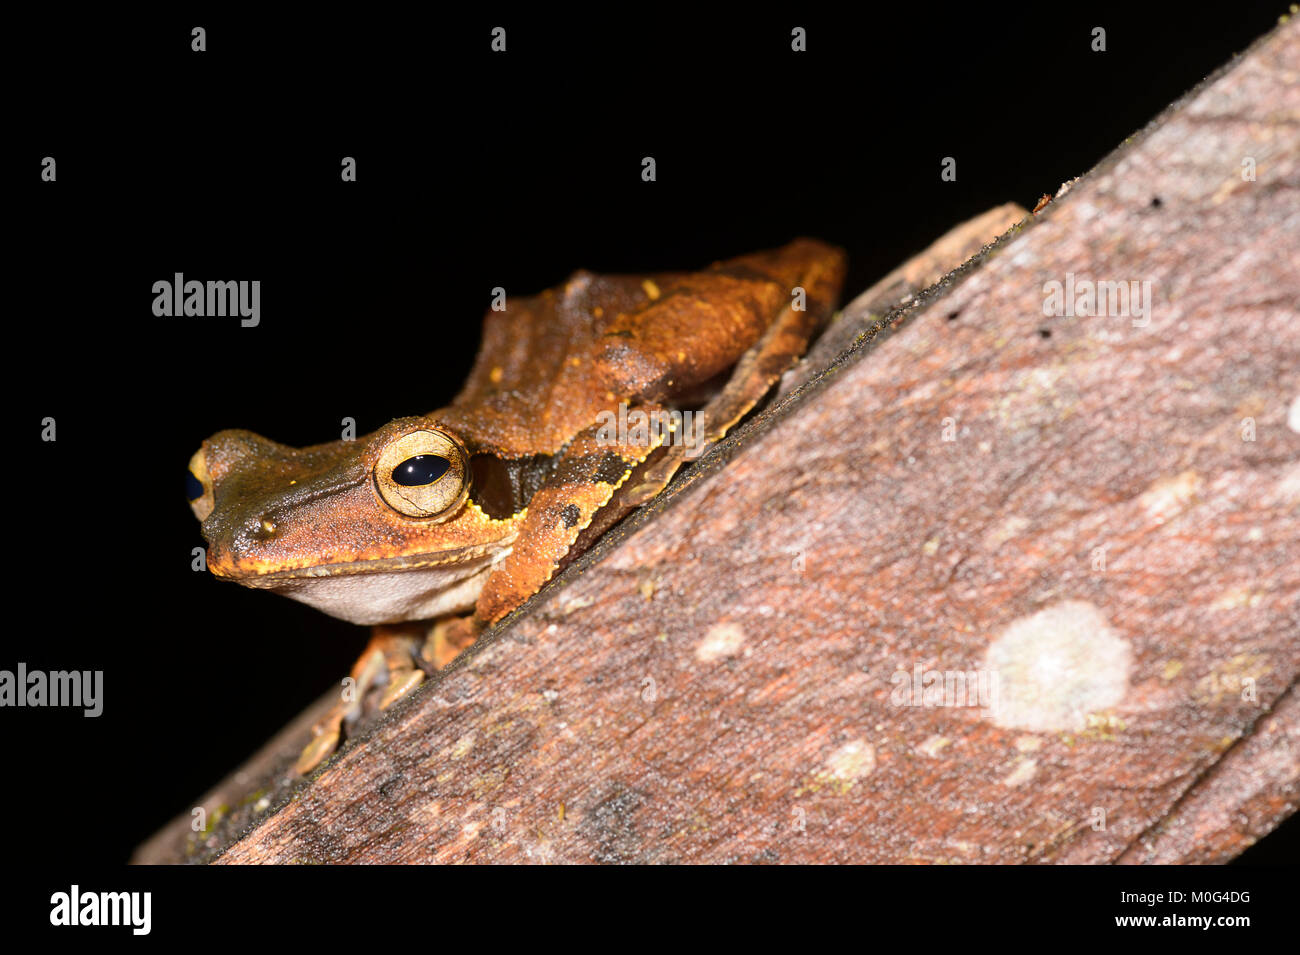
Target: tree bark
1087,526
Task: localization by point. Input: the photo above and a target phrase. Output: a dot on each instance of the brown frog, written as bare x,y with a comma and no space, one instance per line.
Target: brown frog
433,528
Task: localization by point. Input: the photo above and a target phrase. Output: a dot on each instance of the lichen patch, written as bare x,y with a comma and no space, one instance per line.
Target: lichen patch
1055,667
1024,771
1169,496
847,765
933,745
722,640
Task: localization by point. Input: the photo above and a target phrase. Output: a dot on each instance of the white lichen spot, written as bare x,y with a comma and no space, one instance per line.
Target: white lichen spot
930,546
1237,597
1056,666
1168,496
1023,772
1288,487
576,604
932,745
1293,415
468,833
1029,744
427,814
850,763
722,640
462,746
1005,531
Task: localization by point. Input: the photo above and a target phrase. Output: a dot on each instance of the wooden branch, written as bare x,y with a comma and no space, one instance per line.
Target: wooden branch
1097,517
865,314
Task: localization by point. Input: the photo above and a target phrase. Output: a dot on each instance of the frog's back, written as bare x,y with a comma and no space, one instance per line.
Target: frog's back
550,363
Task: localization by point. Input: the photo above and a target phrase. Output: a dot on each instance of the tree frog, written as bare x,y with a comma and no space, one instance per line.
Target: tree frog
435,527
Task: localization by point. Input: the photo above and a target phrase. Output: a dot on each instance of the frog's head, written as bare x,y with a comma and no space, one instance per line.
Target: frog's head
377,530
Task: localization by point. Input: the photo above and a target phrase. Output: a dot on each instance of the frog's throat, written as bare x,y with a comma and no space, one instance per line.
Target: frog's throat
386,591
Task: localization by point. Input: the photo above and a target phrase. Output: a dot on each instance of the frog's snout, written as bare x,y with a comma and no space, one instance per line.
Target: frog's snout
200,489
198,486
225,453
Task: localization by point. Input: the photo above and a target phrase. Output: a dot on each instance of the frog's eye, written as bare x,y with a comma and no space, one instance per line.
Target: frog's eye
423,474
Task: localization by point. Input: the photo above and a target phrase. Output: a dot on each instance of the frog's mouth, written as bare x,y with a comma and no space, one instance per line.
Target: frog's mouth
385,591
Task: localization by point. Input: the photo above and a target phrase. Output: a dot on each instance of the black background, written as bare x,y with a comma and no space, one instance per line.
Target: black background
475,170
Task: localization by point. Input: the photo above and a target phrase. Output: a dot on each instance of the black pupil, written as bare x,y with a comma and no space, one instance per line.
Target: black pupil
420,470
193,487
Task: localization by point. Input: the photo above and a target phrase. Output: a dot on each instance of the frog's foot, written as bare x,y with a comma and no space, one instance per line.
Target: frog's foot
384,673
448,638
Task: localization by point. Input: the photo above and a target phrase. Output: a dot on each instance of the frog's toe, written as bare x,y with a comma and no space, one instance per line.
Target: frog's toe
399,684
447,640
382,674
318,749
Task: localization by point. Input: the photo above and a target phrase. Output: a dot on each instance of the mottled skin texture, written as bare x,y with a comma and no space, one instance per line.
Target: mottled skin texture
528,422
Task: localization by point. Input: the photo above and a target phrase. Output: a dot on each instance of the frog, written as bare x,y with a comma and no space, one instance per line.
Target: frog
435,527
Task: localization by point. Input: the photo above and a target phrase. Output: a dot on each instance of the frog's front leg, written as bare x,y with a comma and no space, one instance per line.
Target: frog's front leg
387,668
